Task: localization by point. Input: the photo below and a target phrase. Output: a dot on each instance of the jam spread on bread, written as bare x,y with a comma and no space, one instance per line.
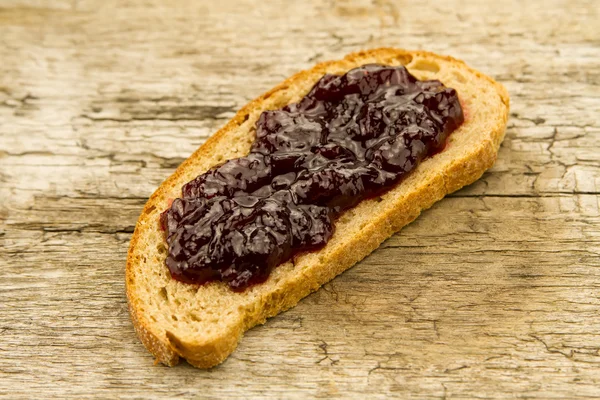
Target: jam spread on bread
350,138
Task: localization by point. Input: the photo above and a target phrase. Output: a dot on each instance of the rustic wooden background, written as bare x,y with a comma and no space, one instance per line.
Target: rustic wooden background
493,293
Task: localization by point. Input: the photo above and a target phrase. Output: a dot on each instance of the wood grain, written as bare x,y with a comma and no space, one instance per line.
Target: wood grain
493,293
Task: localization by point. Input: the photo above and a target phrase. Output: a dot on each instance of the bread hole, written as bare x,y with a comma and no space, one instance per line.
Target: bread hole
150,209
459,77
404,58
245,118
344,217
379,199
162,249
163,293
426,65
219,158
195,317
174,317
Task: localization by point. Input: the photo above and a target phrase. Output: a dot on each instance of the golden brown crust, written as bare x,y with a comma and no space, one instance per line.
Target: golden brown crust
202,352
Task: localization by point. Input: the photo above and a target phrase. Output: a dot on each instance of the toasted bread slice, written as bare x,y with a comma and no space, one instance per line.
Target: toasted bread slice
204,323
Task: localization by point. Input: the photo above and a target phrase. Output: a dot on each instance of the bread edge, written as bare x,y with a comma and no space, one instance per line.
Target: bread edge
208,355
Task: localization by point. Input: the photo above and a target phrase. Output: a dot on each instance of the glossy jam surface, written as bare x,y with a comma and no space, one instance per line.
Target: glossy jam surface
352,137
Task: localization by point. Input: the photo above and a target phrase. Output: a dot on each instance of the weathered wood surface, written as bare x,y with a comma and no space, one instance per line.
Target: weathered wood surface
493,293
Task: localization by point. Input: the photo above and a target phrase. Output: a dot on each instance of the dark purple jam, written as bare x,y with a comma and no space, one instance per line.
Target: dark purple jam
352,137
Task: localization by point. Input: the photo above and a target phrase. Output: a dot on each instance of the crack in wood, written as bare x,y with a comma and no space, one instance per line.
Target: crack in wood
135,110
323,347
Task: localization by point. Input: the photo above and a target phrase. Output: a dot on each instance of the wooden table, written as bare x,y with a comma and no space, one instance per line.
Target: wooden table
493,293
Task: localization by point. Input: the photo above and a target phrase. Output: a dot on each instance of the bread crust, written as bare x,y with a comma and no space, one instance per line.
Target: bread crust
168,346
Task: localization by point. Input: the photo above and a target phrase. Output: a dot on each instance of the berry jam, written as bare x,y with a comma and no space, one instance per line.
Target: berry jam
352,137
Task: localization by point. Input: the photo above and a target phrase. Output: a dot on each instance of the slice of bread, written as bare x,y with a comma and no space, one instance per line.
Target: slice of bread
204,324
